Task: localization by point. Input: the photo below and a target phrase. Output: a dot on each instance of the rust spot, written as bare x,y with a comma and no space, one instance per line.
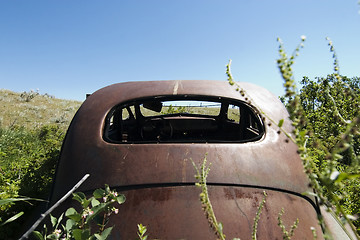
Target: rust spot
241,194
161,194
156,195
228,193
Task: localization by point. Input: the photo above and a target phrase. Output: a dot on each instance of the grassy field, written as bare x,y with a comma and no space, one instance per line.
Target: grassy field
32,110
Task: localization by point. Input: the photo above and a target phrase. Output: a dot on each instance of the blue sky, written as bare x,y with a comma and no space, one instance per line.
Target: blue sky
70,48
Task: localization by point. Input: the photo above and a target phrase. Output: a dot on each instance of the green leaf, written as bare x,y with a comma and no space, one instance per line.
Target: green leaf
86,233
75,217
81,234
70,224
59,220
121,198
53,220
73,214
70,211
10,200
16,216
79,196
94,202
142,229
86,202
52,236
38,235
220,226
141,232
77,234
337,157
281,122
99,193
104,235
107,189
303,133
344,176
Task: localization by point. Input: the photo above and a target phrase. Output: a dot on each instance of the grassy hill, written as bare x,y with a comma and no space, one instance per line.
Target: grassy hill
32,110
32,128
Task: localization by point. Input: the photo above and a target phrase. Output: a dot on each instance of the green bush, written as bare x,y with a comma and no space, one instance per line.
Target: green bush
330,105
326,117
27,166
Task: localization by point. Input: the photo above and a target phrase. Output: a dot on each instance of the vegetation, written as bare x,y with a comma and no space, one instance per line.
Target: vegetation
141,232
287,235
33,110
31,133
90,222
201,175
171,109
331,106
28,159
325,112
326,118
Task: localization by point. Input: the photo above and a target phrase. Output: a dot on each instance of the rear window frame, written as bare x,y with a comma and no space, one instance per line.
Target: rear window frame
253,113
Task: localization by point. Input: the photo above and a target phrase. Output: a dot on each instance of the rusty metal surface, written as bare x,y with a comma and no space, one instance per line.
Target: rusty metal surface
270,163
175,213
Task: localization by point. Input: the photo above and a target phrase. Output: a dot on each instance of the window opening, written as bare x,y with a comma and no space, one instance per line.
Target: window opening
186,119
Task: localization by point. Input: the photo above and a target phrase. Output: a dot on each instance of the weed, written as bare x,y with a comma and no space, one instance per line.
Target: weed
201,176
28,96
141,232
257,217
287,235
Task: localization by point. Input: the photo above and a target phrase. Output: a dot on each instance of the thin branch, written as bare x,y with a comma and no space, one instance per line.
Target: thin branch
76,186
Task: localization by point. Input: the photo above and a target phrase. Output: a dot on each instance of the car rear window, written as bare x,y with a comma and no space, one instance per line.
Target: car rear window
177,119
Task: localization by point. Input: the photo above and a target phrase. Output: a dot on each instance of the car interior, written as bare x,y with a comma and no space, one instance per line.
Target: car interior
183,119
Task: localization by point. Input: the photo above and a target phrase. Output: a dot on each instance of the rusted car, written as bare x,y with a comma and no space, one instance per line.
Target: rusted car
140,138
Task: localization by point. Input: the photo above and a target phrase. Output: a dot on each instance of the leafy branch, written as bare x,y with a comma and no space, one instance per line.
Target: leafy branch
95,211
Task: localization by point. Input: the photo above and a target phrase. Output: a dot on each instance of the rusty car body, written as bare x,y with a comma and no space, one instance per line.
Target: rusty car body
148,158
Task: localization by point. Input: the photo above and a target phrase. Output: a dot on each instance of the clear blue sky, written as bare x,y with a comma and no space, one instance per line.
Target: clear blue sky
70,48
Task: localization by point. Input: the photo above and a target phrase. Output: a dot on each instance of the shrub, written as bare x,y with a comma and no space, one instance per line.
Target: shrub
27,166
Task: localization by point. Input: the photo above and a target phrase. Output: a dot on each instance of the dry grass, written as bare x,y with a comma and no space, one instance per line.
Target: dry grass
18,109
